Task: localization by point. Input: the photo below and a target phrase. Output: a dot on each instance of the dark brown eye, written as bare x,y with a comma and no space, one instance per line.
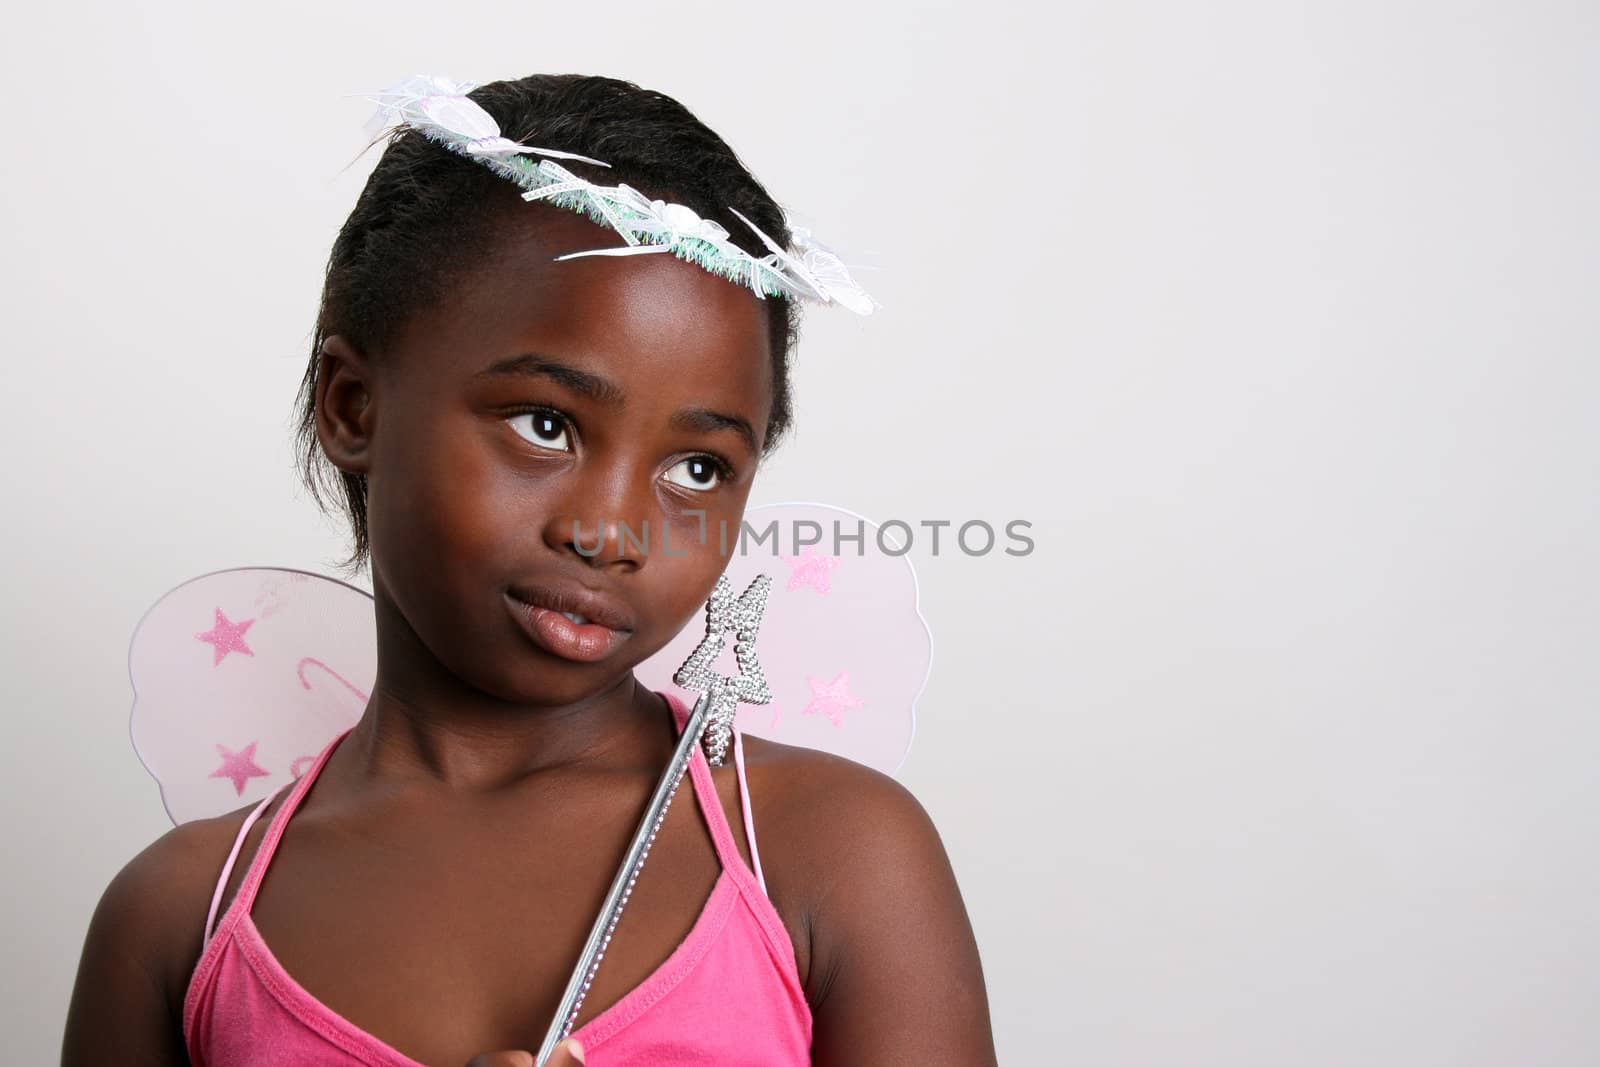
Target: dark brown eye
696,472
543,428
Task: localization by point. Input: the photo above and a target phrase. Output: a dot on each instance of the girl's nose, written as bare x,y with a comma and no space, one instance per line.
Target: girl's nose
607,519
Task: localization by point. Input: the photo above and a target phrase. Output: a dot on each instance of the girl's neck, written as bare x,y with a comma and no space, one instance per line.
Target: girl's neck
478,748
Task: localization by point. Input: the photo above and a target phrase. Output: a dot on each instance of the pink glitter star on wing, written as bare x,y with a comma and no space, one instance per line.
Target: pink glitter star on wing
240,766
832,698
811,569
226,636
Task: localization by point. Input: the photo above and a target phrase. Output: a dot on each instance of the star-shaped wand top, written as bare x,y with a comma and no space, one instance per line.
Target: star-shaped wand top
740,616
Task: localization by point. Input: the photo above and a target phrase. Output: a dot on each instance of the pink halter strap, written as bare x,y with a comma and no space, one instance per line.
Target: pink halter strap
233,856
744,807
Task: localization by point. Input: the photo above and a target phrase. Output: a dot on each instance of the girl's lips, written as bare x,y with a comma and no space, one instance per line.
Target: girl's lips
560,636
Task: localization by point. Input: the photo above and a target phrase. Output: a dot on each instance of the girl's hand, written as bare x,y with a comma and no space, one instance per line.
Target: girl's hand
567,1054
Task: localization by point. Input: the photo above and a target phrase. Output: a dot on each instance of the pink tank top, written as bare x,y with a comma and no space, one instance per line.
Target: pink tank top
729,993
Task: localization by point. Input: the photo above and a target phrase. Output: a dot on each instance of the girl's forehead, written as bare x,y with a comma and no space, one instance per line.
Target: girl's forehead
645,316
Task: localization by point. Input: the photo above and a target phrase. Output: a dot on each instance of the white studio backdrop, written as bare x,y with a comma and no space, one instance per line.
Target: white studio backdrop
1276,321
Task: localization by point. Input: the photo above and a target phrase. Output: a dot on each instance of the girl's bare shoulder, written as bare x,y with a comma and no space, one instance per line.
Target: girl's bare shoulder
826,823
155,907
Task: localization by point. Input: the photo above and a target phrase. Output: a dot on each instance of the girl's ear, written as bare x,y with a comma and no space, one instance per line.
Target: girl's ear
346,412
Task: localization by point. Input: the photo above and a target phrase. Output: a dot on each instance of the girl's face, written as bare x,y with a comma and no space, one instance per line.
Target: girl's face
570,429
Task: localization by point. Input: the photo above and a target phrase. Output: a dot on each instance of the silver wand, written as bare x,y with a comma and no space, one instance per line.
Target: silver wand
711,721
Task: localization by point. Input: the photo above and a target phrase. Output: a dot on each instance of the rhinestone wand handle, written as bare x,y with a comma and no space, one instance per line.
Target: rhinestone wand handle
622,884
710,723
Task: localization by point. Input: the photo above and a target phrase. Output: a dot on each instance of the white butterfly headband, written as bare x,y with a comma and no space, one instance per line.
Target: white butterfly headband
440,110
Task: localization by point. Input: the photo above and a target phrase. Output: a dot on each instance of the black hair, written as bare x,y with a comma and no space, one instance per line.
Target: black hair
426,216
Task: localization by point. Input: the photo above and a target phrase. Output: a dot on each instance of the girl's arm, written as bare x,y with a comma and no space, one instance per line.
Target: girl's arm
894,975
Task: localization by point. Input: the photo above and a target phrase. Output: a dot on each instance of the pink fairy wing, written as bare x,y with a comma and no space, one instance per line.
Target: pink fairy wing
241,677
844,647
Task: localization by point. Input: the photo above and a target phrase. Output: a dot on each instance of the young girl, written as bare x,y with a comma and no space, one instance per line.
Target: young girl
420,895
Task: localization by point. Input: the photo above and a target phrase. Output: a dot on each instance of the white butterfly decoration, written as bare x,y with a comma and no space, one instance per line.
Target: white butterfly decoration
817,267
438,106
676,221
